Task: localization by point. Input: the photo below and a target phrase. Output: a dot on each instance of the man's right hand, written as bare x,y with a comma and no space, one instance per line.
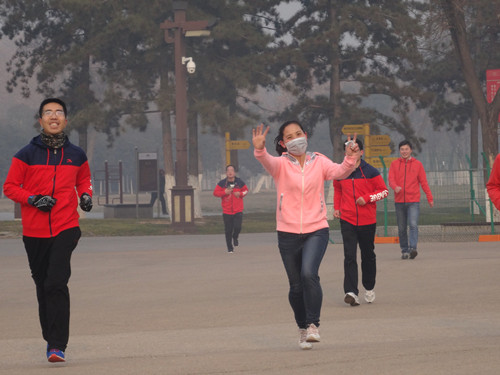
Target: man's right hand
42,202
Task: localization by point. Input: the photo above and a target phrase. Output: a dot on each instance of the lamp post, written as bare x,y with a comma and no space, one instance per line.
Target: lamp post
175,32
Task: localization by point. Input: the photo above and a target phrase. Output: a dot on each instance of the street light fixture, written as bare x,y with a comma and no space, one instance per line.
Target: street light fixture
175,32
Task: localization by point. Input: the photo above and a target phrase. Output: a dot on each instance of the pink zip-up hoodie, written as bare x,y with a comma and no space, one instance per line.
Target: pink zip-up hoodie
301,206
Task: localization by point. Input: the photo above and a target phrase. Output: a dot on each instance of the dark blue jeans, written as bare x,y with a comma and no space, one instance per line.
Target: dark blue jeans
302,255
407,215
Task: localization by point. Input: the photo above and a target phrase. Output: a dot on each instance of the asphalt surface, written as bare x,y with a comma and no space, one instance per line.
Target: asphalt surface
182,305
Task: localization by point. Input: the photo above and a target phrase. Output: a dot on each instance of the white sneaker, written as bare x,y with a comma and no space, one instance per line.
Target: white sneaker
304,345
351,299
370,296
312,333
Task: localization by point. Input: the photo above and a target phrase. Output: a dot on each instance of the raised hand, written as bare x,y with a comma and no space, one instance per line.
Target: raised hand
259,137
352,147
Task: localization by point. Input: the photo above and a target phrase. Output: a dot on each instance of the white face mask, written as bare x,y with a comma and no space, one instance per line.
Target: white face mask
297,146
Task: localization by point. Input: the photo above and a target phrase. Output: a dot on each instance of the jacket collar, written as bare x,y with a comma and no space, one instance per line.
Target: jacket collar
310,156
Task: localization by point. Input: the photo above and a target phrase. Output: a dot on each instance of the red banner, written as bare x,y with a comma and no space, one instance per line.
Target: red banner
492,85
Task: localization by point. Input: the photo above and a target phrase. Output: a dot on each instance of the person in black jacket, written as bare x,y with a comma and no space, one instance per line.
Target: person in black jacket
154,194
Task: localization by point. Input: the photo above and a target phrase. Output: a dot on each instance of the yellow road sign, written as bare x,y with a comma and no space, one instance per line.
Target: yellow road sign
377,140
377,151
378,164
361,129
237,145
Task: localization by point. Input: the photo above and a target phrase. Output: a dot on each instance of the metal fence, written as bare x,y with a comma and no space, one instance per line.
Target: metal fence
461,209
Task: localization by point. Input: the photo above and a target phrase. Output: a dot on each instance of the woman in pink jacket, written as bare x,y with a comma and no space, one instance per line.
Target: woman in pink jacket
301,221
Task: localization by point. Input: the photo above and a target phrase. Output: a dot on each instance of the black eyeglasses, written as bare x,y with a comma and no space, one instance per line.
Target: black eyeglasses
49,113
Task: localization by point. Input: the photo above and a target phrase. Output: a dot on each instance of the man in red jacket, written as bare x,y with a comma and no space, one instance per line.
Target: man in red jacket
43,178
355,204
406,175
231,191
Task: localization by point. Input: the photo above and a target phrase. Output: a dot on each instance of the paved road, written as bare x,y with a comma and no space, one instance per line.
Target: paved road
182,305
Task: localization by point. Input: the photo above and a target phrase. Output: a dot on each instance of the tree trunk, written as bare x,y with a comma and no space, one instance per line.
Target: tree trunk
488,112
335,115
82,139
474,139
166,127
91,139
193,173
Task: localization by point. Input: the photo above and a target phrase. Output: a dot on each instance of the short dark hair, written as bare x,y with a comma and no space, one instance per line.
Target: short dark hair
359,142
52,100
230,165
404,143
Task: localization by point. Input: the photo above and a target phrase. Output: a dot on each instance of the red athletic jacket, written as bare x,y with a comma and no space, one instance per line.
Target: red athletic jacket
364,182
231,204
409,174
493,185
38,169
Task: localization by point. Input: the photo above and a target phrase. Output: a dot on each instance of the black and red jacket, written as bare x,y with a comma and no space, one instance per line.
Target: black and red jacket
230,203
364,182
39,169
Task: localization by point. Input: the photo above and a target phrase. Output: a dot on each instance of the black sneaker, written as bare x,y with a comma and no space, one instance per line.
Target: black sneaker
235,242
413,253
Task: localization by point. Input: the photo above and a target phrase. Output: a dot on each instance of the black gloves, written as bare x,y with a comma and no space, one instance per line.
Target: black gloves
85,202
46,202
42,202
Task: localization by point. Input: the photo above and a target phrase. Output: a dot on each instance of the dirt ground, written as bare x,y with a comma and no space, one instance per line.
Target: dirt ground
182,305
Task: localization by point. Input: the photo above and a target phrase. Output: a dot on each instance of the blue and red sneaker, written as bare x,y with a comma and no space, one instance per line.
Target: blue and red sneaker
55,355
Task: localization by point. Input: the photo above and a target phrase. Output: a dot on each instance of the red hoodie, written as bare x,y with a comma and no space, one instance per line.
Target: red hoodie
230,203
38,169
493,185
364,182
408,174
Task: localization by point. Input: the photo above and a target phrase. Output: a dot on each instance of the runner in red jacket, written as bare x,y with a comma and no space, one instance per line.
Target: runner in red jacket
355,204
231,190
493,185
406,175
45,177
